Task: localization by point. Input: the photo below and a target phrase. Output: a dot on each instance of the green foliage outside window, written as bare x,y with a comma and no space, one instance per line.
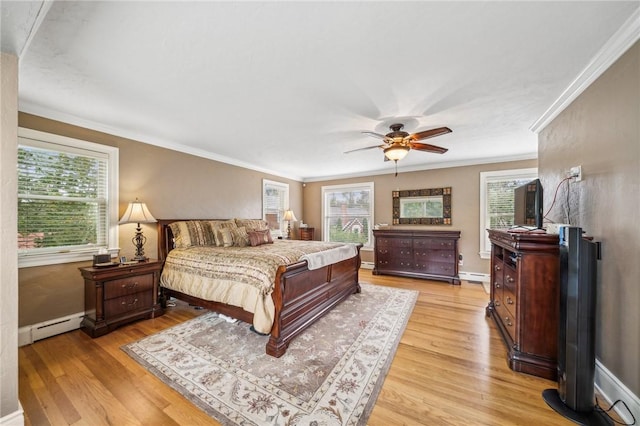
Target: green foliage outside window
60,199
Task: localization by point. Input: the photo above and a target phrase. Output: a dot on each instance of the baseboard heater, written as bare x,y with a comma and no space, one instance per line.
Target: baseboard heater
366,265
35,332
474,277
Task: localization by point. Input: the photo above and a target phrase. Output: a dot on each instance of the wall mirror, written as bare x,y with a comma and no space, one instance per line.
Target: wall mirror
430,206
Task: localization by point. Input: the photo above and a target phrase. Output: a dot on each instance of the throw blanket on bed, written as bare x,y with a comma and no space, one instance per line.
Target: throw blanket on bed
244,276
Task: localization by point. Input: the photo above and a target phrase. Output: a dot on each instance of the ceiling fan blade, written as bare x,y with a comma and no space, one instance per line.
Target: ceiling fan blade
428,148
379,136
363,149
426,134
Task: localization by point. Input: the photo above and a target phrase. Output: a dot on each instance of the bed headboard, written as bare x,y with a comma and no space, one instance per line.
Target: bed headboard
165,236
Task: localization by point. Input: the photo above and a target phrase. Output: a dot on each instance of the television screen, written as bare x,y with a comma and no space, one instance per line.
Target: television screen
527,199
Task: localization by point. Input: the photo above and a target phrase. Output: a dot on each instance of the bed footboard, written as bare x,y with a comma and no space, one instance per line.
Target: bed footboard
301,296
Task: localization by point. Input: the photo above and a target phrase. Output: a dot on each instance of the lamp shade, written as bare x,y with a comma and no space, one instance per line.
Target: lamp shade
137,212
396,152
289,216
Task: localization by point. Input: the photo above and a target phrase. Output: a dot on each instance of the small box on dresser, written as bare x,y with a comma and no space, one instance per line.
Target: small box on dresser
118,295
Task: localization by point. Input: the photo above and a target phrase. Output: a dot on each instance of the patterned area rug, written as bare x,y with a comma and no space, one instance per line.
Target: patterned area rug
330,375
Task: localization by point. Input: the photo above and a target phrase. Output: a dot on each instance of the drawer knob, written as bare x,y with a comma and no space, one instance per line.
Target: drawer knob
497,268
510,279
124,302
509,301
496,285
507,321
130,285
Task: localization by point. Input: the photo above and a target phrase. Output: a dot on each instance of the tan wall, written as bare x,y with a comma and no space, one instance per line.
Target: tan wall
600,130
465,203
173,184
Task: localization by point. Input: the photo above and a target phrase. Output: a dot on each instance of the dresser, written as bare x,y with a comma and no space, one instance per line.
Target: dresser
524,299
415,253
118,295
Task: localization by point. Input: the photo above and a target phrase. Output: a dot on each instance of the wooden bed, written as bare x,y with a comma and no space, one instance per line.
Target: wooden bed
300,295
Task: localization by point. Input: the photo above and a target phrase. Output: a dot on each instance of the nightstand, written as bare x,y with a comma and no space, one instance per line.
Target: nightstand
307,234
118,295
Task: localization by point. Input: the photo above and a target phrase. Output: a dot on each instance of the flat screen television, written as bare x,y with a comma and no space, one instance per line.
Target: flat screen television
527,205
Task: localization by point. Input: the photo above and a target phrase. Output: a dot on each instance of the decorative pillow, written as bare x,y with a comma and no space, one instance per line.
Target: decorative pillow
225,237
257,238
217,226
191,233
240,237
253,224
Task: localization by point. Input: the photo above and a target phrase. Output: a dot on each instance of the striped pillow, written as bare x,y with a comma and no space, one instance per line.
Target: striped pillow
257,238
192,233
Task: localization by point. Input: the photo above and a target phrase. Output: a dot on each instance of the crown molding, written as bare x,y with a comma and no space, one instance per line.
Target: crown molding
613,49
30,108
428,166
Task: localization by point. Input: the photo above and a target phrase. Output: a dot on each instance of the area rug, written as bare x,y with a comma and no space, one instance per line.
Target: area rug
330,375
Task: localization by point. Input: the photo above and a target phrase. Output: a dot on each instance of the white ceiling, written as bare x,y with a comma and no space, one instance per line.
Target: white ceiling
287,87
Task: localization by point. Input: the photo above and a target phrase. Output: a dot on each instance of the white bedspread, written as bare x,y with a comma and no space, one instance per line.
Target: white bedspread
327,257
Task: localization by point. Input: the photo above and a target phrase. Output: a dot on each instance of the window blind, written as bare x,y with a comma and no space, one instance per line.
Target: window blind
62,198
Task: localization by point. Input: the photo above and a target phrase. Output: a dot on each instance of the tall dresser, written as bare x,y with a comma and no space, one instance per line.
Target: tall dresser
524,300
418,254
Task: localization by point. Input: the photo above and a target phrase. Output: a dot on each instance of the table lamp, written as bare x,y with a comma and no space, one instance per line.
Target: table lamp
137,212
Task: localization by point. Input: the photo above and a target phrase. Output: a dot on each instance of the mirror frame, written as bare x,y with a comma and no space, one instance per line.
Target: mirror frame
429,192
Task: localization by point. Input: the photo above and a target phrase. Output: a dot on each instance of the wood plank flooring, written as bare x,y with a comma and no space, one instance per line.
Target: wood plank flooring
450,369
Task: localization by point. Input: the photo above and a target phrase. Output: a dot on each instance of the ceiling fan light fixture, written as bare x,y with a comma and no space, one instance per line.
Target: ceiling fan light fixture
396,152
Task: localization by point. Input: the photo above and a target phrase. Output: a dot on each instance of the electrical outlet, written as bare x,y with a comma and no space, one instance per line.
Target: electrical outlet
460,261
576,172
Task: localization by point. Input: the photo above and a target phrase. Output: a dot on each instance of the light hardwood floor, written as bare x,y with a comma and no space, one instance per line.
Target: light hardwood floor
450,369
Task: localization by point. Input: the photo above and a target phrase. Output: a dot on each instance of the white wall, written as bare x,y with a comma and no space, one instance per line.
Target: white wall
10,411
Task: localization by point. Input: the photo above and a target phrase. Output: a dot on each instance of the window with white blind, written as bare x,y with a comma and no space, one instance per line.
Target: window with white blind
347,212
275,201
496,201
67,198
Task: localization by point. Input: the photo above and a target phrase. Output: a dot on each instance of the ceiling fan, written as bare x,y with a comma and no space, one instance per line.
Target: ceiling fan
398,143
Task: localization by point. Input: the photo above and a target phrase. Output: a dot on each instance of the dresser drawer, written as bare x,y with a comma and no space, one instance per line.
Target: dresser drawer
434,243
510,279
128,303
506,318
441,256
129,285
393,242
509,300
440,268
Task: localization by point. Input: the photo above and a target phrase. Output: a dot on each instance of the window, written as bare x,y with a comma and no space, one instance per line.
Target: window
67,198
496,201
275,201
347,212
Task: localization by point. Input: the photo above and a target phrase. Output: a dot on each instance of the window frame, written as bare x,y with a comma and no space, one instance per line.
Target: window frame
325,190
496,176
266,183
52,142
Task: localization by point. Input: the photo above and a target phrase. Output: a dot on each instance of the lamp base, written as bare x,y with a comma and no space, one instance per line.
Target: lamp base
585,418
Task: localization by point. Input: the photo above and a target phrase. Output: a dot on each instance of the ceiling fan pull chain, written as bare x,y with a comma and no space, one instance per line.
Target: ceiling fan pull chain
396,161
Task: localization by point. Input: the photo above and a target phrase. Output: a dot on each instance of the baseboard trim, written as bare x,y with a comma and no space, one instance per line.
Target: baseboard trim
474,276
13,419
35,332
612,389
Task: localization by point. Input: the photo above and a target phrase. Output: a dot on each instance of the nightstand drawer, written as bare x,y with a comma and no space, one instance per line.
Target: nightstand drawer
129,303
129,285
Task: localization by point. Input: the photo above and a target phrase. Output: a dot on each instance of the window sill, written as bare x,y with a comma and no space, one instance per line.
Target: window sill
27,260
